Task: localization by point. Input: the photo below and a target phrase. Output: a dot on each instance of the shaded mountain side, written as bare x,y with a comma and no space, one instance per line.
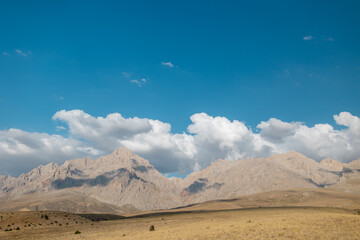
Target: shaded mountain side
123,182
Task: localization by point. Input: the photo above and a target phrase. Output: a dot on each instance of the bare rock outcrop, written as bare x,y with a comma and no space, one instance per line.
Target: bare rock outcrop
123,181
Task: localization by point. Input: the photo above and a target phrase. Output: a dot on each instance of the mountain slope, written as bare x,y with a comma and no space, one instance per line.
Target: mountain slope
125,182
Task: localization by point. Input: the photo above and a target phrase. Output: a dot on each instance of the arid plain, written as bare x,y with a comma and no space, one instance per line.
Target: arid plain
269,223
288,214
286,196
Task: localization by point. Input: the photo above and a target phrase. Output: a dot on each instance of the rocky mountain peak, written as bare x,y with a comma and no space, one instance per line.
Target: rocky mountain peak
291,155
123,178
332,164
122,151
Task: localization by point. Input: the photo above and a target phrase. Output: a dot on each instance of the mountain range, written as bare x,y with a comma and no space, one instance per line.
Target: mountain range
123,182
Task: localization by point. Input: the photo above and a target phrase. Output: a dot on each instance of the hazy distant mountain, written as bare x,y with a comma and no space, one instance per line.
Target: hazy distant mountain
123,182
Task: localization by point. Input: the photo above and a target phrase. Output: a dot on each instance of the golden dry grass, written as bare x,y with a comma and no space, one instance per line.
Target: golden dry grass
272,223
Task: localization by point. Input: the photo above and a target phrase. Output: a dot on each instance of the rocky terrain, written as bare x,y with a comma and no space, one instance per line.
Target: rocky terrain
124,182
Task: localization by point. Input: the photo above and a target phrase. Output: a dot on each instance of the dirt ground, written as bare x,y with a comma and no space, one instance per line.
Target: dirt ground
262,223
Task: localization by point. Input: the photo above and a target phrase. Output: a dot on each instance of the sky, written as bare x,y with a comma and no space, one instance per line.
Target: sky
180,83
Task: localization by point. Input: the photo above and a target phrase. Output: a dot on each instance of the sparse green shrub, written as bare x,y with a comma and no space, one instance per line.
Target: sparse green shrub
77,232
152,228
46,217
56,222
60,224
17,228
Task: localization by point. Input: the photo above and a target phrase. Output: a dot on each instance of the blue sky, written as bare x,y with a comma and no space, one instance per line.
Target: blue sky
244,60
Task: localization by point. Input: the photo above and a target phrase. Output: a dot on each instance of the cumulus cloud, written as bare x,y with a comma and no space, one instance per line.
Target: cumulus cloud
207,138
168,64
275,130
21,151
307,38
319,141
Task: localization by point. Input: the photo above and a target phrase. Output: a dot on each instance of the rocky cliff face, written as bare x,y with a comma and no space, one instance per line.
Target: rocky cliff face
125,181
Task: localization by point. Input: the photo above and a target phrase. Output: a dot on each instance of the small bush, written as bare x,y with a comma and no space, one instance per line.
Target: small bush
17,228
152,228
77,232
46,217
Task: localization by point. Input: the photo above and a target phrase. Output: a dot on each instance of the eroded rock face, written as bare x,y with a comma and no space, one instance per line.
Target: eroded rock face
124,180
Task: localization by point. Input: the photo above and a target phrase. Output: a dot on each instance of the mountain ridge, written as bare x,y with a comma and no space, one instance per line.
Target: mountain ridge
123,180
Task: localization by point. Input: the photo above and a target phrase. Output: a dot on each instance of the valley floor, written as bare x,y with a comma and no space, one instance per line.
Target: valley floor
261,223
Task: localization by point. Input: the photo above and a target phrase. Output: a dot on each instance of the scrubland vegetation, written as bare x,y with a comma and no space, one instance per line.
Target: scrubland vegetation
261,223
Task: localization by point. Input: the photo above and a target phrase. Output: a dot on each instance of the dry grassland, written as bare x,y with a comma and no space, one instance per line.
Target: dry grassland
273,223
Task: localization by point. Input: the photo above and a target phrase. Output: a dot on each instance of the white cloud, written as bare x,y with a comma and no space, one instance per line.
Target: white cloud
207,139
21,151
307,38
140,82
60,128
6,54
350,121
21,53
125,74
319,141
168,64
